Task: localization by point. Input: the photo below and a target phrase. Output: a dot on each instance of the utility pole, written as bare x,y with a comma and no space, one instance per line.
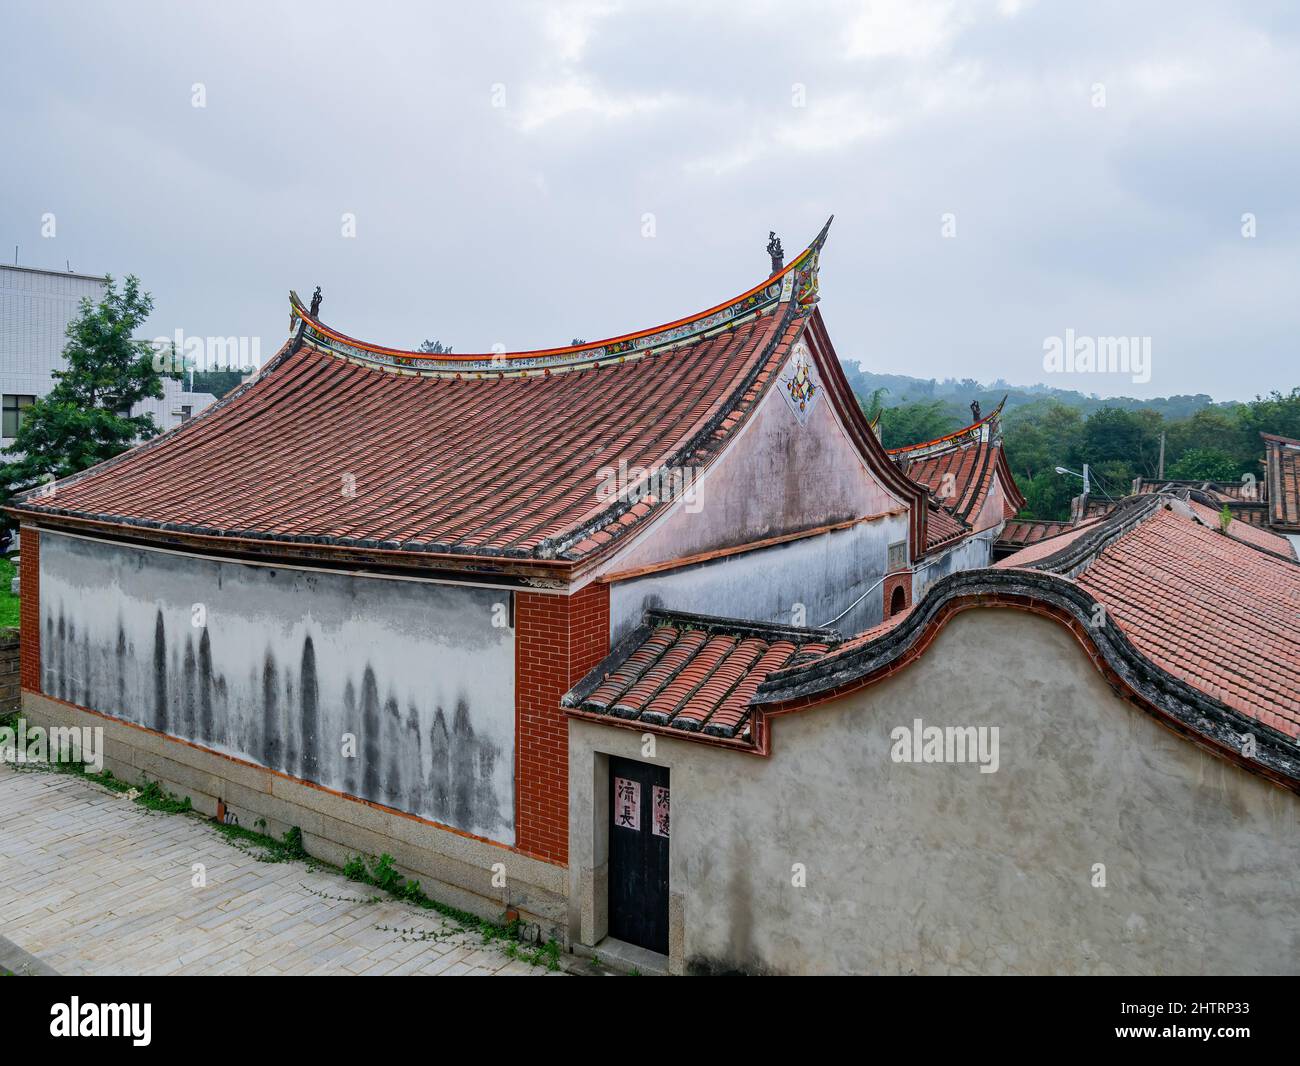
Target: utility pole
1160,474
1087,484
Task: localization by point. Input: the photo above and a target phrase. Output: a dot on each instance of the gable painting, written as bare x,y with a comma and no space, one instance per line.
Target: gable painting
281,666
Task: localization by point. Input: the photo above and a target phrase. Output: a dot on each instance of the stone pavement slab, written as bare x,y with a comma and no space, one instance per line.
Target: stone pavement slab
91,883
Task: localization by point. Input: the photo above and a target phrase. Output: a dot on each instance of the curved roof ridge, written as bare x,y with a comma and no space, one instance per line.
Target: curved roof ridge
950,440
795,283
1195,708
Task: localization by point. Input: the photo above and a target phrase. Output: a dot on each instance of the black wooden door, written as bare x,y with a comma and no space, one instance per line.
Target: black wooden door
638,853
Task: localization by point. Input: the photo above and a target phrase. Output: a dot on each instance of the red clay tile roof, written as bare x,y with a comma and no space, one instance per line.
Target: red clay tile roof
1048,546
1211,610
960,477
693,672
1282,459
958,470
1245,531
941,526
363,447
1023,532
1221,612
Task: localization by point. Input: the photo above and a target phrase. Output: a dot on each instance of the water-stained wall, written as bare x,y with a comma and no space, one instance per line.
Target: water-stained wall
282,666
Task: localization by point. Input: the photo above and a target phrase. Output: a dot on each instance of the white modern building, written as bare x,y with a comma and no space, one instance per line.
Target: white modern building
35,309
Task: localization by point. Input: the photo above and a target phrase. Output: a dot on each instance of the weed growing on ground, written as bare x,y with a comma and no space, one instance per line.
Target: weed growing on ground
382,873
265,848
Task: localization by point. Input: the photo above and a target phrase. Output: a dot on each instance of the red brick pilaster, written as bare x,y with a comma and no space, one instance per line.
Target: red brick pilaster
558,639
29,609
902,580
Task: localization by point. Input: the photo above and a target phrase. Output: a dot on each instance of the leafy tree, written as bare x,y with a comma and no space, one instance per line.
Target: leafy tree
86,418
1275,413
1048,495
1204,464
915,423
1127,442
1040,437
872,407
1215,430
434,348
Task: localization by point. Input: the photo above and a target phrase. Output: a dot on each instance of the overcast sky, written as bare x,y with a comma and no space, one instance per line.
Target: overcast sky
523,224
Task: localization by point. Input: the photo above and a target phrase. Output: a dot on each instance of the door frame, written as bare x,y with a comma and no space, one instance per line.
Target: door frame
590,748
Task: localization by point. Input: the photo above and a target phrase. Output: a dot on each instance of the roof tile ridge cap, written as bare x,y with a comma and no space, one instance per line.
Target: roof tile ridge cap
1074,558
711,623
603,514
994,416
307,320
975,484
20,500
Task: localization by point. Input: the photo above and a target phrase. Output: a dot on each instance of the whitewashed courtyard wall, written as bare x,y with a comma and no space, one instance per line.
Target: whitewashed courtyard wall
275,665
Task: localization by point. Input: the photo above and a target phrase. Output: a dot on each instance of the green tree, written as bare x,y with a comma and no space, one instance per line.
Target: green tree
872,407
1204,464
1041,436
915,423
86,417
1275,413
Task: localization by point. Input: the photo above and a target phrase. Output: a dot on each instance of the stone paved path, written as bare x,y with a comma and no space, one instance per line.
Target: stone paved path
92,883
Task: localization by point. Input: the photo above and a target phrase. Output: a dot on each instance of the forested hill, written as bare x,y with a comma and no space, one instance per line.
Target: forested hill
959,393
1119,438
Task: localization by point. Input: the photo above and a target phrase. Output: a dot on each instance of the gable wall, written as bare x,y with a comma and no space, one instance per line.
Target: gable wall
776,477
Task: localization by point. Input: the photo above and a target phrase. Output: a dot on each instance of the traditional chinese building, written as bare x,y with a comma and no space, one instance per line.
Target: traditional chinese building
1082,760
350,596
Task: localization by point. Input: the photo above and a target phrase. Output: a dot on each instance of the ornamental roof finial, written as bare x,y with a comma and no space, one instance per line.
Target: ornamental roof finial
775,250
315,303
974,410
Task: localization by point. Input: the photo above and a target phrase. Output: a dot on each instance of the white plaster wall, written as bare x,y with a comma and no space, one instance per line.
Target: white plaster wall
937,868
775,477
820,577
276,665
970,554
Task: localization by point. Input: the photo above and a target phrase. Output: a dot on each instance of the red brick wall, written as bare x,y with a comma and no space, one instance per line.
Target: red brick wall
901,580
558,639
29,608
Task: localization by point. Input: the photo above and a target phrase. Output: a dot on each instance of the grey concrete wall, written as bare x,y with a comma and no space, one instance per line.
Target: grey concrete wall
451,867
805,582
938,868
281,666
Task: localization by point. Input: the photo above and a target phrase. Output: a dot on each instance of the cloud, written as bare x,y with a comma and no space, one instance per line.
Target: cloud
1125,218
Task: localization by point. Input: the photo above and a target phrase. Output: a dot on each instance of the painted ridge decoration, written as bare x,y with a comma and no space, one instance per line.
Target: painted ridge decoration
799,384
797,283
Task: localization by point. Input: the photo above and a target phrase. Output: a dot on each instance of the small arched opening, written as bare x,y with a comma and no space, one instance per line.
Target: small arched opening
897,601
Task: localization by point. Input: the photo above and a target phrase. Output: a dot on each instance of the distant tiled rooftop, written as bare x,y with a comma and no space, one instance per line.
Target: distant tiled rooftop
1282,459
1019,533
959,470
